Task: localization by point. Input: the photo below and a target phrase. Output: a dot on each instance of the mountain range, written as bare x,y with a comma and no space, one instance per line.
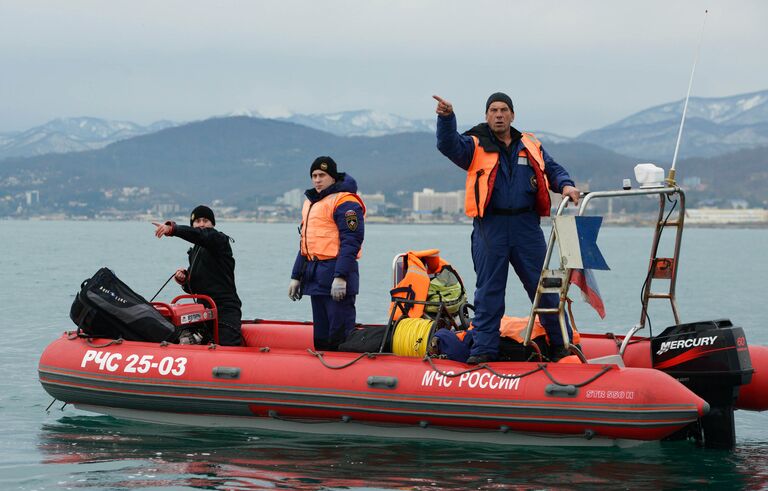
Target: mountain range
65,135
244,161
714,126
362,123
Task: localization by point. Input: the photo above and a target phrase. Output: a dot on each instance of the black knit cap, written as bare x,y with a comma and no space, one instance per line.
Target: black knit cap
325,164
499,97
201,211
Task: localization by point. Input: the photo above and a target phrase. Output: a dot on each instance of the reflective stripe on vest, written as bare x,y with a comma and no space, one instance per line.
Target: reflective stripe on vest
319,232
482,174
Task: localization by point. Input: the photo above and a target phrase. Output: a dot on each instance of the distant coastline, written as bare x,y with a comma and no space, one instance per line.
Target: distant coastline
693,220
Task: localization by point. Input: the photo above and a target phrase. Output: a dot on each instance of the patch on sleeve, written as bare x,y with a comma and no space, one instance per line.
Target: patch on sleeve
352,221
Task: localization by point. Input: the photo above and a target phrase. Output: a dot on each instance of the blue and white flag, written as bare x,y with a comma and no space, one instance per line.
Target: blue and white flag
577,240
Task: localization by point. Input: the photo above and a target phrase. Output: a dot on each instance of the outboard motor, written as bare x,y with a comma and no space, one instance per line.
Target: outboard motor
711,358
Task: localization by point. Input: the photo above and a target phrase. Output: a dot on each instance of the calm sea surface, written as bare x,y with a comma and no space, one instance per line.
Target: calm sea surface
722,274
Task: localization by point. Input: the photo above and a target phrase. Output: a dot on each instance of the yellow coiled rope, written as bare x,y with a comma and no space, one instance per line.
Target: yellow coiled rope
411,337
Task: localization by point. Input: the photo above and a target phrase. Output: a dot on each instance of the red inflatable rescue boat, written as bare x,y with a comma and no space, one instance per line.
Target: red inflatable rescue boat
278,382
683,383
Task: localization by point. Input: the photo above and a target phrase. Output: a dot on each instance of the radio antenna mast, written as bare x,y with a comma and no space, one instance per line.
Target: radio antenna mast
671,178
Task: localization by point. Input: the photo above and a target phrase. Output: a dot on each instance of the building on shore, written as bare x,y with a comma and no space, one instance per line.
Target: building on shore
429,203
718,216
293,198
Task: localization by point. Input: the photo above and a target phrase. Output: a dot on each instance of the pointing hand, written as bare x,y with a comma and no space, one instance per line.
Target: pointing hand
162,229
444,108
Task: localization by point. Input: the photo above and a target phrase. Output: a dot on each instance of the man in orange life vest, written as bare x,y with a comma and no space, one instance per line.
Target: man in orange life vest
332,230
508,174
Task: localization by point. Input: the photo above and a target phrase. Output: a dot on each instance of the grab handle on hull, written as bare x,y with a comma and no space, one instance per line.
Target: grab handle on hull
381,382
226,372
561,390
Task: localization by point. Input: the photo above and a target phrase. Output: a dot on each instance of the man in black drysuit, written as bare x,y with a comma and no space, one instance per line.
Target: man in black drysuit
211,269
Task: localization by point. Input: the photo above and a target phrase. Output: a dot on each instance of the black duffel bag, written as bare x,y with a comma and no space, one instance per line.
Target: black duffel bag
105,307
366,339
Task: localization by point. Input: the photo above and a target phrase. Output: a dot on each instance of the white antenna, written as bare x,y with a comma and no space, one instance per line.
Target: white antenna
671,179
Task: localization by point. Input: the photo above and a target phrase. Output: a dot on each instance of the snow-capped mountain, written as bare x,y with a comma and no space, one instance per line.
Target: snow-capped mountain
713,126
65,135
371,123
361,123
734,110
548,137
250,113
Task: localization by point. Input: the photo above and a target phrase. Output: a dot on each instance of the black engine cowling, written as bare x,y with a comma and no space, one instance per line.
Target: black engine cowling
712,359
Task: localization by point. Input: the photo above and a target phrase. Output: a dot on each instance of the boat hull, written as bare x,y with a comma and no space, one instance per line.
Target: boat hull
276,381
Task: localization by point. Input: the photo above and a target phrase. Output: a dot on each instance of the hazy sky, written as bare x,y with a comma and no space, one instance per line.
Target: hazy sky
569,66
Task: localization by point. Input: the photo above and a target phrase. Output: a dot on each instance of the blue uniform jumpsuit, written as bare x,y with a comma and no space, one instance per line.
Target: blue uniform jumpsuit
499,240
334,320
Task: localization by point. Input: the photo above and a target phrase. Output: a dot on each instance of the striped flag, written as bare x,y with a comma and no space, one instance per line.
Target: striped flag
577,240
585,280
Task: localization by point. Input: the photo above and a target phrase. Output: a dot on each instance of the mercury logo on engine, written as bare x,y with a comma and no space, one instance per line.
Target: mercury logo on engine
686,343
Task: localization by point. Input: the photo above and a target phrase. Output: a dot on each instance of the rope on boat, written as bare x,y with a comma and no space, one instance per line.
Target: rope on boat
411,337
482,366
161,288
109,343
319,355
72,335
599,374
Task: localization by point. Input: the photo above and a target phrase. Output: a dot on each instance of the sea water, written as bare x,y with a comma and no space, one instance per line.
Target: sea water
722,274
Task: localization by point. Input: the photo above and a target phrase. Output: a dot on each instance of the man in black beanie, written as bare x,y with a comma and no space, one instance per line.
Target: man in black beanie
325,164
509,176
211,269
332,231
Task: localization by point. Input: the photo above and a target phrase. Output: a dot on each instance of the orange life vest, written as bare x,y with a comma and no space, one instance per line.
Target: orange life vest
419,267
319,232
514,328
482,174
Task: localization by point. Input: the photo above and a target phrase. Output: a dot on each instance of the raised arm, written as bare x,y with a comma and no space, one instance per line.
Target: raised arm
458,148
210,238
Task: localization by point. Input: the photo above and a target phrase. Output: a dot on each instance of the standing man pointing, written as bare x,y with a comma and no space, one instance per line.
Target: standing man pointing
509,175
